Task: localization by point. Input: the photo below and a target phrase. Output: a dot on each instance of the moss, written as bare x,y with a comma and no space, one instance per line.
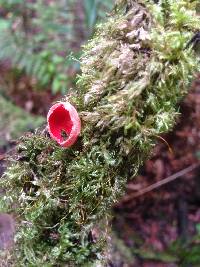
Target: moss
134,72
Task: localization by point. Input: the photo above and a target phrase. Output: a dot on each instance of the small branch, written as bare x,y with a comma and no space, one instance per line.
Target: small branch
160,183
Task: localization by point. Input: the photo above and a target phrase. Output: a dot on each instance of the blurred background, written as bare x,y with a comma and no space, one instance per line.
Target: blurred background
40,48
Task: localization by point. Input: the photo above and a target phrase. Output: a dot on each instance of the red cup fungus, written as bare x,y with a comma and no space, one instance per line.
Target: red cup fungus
64,124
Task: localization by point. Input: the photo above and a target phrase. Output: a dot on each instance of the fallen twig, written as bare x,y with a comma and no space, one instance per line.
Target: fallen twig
159,183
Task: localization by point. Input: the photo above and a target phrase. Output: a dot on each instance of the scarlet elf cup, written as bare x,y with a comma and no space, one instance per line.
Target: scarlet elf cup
64,124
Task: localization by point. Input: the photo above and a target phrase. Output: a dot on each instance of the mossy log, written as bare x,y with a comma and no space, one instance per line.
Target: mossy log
134,72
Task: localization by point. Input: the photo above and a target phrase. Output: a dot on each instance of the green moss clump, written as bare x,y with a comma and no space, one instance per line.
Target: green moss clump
134,72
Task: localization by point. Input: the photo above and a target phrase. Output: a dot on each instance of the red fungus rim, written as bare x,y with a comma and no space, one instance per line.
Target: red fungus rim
64,117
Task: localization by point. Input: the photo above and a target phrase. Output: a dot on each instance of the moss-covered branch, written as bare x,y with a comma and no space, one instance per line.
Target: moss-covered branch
134,72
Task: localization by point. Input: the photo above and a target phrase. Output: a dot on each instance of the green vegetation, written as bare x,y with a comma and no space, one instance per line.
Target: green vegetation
14,121
182,254
39,37
134,72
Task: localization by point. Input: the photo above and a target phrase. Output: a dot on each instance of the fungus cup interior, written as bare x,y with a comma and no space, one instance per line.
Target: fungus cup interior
60,123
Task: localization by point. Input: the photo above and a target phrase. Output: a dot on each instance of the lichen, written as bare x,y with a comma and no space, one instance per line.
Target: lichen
134,72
